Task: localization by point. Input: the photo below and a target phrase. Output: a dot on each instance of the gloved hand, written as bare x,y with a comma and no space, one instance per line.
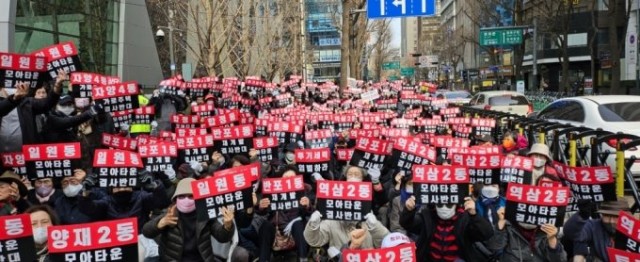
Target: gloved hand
196,166
146,180
180,93
98,108
171,174
154,124
287,229
317,176
90,181
371,221
315,219
375,175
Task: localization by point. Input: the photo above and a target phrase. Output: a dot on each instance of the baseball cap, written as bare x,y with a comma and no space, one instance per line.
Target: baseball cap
395,239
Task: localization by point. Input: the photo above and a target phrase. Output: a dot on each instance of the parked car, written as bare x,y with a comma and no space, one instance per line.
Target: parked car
458,97
615,113
503,101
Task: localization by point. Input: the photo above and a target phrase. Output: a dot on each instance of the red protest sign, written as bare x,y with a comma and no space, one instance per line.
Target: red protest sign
312,155
415,148
252,170
404,252
622,256
282,185
59,151
94,236
265,142
118,142
221,120
16,226
194,142
185,120
374,146
13,159
431,174
115,90
218,185
116,158
232,132
185,132
344,154
345,190
536,195
158,150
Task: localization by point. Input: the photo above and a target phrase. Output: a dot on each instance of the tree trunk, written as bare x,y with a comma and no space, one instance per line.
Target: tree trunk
344,55
615,49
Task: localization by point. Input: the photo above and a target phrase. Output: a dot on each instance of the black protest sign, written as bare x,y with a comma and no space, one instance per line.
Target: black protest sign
536,205
590,183
214,193
14,162
440,184
113,240
318,138
144,115
443,143
233,140
195,148
346,201
16,68
16,238
284,193
117,97
371,153
409,152
483,126
309,161
286,132
63,56
267,148
51,160
482,168
83,83
117,168
158,157
627,237
122,118
184,121
516,169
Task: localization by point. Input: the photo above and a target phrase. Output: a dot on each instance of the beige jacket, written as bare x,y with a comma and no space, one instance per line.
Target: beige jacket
336,233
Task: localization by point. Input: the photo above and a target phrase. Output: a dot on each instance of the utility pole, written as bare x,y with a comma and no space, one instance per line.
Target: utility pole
637,57
303,42
535,54
171,29
344,46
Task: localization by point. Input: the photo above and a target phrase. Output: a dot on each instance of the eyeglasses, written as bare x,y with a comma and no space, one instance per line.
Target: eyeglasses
185,196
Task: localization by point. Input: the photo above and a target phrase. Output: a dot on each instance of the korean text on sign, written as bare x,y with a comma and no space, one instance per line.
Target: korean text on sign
536,205
347,201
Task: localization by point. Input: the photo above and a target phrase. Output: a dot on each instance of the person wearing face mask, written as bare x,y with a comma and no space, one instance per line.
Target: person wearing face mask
598,234
541,161
43,192
67,205
124,202
398,204
512,142
19,124
490,205
42,217
182,237
320,232
574,225
63,122
41,119
166,105
446,232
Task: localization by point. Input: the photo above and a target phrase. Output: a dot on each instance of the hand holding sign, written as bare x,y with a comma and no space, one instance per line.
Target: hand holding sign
470,206
411,203
304,201
315,219
264,203
501,219
170,219
22,89
62,76
371,221
552,233
357,237
227,218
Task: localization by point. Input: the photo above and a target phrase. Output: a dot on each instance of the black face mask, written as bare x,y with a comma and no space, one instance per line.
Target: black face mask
122,197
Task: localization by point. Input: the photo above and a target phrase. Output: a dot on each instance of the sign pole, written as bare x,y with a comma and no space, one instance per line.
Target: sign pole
535,55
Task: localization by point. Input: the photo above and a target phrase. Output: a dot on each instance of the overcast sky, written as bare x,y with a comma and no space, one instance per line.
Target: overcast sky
397,31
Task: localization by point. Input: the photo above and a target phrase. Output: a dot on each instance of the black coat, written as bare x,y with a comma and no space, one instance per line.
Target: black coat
467,229
171,238
7,105
61,128
28,108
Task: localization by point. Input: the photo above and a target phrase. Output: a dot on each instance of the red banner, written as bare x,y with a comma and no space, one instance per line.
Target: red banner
194,142
58,51
221,120
622,256
317,134
265,142
119,142
415,148
536,195
431,174
232,132
158,150
629,225
312,155
404,252
483,122
21,62
15,226
489,161
80,78
345,190
185,120
518,162
282,185
252,170
13,159
449,142
289,127
374,146
184,132
344,154
218,185
91,236
51,151
587,175
116,158
116,90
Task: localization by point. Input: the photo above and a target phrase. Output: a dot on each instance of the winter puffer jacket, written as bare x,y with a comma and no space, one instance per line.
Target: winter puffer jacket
518,248
467,229
171,238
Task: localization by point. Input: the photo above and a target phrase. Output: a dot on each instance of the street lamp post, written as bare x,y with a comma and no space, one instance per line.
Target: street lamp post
160,35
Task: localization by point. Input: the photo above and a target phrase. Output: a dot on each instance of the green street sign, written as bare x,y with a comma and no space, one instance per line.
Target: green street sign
407,71
391,66
393,78
500,37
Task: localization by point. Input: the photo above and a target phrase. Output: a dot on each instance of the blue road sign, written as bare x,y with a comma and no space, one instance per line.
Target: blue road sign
400,8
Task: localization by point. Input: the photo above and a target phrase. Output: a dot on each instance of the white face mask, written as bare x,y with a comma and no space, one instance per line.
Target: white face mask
40,235
289,157
527,226
67,110
446,213
539,162
353,179
408,189
490,192
210,102
72,190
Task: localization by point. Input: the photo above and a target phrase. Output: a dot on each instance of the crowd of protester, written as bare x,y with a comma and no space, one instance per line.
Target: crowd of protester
475,229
